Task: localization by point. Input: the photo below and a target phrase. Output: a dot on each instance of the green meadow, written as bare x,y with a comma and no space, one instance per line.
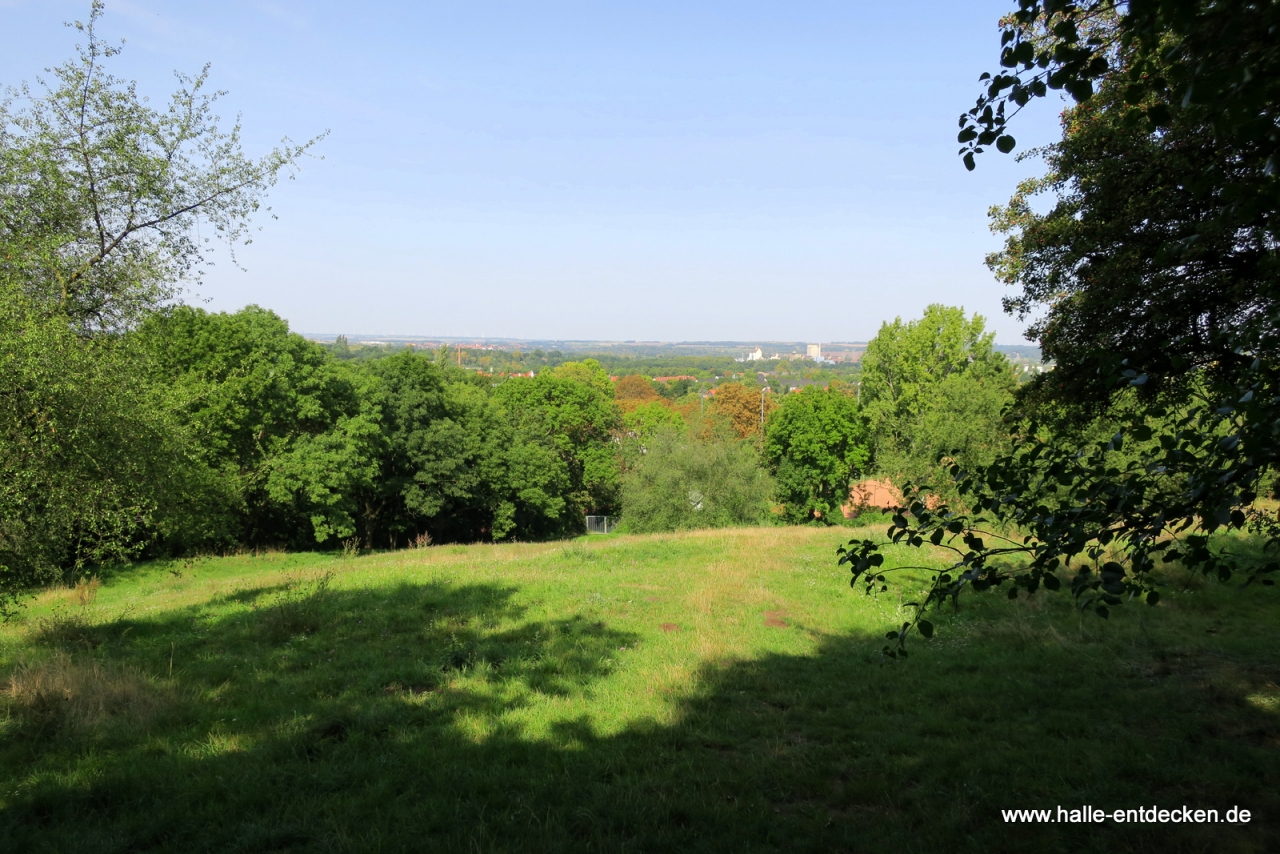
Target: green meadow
712,691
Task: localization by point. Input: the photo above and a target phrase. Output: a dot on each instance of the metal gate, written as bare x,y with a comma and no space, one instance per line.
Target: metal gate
601,524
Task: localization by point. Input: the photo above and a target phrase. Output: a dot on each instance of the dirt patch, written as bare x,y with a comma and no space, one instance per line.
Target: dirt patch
669,627
775,618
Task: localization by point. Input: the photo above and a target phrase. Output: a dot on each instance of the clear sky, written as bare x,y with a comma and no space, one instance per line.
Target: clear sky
673,171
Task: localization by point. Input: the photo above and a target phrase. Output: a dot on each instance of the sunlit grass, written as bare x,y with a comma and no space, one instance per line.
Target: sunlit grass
716,690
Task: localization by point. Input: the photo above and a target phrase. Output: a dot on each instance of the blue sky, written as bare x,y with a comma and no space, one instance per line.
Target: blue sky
669,171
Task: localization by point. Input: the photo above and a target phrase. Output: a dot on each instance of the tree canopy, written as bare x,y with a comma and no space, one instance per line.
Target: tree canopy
1153,273
816,441
100,198
933,387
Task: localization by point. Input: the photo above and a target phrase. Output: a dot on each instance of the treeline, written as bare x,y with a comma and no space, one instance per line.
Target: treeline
932,393
306,449
199,432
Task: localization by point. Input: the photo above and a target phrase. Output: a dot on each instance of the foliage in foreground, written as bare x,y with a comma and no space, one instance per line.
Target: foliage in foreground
1103,520
1154,273
100,196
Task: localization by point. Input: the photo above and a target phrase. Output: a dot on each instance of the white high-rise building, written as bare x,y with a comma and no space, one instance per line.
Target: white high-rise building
814,351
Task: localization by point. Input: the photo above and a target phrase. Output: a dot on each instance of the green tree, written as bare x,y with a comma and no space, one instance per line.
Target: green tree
1155,268
290,430
682,483
572,408
451,463
816,441
100,195
933,387
648,418
92,463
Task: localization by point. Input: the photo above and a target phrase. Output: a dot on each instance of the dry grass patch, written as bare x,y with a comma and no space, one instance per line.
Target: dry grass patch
66,629
63,694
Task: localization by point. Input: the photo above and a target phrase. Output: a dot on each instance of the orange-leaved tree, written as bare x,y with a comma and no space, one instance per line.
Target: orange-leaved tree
744,407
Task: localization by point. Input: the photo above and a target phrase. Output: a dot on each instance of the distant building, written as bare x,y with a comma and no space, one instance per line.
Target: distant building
814,351
755,355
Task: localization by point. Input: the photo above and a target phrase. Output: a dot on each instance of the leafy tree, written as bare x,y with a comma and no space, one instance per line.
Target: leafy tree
744,408
816,441
634,387
100,194
92,465
676,389
682,483
646,419
452,465
933,387
286,426
1155,267
587,372
1218,61
572,408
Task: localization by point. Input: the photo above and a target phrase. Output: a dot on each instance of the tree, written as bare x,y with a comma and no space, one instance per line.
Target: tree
634,389
683,483
92,463
1156,269
1218,59
290,431
572,408
646,419
744,408
816,441
451,464
931,388
1132,260
676,389
100,196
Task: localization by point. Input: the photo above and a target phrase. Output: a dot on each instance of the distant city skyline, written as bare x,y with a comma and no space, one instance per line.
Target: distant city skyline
588,345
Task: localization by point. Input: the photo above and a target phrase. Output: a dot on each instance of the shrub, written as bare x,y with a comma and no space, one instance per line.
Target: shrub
681,483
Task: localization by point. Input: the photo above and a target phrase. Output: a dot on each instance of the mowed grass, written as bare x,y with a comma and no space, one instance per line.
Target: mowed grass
714,691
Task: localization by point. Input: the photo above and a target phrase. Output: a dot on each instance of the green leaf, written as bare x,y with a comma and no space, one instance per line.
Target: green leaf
926,628
1004,144
1159,116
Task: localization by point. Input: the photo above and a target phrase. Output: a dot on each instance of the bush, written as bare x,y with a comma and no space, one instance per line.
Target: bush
681,483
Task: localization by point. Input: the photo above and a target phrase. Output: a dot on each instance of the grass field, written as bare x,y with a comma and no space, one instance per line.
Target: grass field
716,691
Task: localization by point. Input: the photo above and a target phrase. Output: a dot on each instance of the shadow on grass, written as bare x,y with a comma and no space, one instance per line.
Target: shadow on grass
389,727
